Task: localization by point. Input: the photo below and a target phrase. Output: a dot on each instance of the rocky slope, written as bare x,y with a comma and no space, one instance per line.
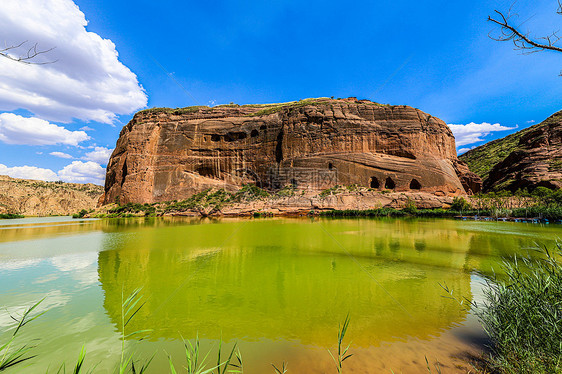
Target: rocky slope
39,198
527,159
314,144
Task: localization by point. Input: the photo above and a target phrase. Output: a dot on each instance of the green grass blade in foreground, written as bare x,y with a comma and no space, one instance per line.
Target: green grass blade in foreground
222,367
25,318
128,310
342,352
11,357
14,357
283,369
195,364
143,367
239,365
80,362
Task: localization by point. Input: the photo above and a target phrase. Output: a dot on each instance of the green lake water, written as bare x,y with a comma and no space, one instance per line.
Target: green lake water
276,287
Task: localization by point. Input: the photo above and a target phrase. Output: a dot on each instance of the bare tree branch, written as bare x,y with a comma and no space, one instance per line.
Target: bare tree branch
28,56
523,41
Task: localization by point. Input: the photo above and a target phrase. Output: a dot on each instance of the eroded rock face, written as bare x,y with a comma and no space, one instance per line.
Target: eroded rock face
39,198
167,154
536,160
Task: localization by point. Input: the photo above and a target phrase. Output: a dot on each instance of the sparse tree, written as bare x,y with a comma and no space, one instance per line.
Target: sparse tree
25,53
510,31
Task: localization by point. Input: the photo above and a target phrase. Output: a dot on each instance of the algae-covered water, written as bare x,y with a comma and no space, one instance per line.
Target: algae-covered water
276,287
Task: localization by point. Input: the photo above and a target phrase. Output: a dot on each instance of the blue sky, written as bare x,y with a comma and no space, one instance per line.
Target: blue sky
61,120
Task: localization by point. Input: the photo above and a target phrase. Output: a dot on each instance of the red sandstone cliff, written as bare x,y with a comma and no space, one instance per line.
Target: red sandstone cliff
536,160
169,154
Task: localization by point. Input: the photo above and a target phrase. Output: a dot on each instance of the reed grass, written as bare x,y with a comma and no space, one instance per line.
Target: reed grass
522,314
129,308
342,354
79,364
10,356
282,370
196,363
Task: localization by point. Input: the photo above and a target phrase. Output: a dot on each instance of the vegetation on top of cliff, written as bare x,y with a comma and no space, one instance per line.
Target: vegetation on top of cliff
482,159
274,108
176,111
265,109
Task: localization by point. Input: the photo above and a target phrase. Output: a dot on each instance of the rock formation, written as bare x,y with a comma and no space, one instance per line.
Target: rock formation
313,144
527,159
39,198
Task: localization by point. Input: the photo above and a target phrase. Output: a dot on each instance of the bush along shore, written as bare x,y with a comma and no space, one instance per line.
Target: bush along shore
542,205
521,313
10,216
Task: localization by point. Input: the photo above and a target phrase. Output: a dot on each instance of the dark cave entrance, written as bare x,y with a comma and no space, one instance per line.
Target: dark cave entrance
389,184
415,185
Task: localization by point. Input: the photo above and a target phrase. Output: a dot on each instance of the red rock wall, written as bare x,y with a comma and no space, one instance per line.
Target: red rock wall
536,161
163,156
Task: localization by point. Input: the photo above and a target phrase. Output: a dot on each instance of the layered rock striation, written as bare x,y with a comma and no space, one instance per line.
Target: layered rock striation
313,144
528,159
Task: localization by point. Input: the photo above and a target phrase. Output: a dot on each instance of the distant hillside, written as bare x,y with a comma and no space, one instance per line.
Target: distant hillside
39,198
527,158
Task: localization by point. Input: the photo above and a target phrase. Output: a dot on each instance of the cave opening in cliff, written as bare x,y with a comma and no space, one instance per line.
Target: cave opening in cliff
205,171
279,147
374,182
330,166
389,184
415,185
215,138
254,133
124,173
232,136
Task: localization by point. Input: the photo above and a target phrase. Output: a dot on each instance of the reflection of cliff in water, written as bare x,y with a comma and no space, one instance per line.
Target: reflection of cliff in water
288,280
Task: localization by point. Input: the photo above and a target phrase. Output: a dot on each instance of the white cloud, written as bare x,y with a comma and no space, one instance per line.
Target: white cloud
76,172
83,172
99,154
464,150
87,128
29,172
87,81
475,132
15,129
61,154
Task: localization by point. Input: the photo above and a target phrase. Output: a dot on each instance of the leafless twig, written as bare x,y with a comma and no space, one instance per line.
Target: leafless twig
27,57
523,41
